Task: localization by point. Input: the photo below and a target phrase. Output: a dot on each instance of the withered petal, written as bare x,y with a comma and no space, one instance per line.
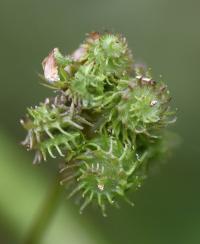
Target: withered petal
50,67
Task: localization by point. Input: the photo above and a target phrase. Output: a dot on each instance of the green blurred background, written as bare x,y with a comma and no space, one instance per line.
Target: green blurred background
162,33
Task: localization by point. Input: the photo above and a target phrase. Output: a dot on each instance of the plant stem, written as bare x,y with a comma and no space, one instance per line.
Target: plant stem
45,214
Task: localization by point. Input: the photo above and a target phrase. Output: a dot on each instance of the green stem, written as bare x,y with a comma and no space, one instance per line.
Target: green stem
44,215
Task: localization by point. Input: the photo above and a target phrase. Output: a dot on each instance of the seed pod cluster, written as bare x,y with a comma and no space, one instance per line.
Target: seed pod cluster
107,121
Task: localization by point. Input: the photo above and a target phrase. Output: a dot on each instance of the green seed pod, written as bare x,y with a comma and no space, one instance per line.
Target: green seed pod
106,170
51,124
111,56
86,88
143,108
106,58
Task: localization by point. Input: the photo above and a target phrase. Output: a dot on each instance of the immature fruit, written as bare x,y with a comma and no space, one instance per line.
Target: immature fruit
142,109
105,171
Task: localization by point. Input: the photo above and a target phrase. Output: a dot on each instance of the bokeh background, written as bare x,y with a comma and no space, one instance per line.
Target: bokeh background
162,33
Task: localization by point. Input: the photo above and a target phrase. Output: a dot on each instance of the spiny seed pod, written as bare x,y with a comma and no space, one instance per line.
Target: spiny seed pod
111,56
51,121
46,120
142,108
105,168
107,122
86,88
93,69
